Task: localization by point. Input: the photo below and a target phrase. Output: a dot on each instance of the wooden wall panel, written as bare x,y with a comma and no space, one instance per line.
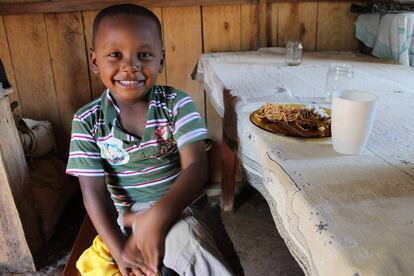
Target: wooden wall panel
249,26
222,28
70,68
6,59
262,23
96,84
32,66
336,27
183,46
222,32
272,24
162,79
297,21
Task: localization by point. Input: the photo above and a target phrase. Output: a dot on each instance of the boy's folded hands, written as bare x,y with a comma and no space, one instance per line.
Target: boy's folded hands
135,267
145,248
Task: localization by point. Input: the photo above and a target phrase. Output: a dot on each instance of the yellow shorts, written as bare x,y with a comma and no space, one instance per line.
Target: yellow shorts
96,261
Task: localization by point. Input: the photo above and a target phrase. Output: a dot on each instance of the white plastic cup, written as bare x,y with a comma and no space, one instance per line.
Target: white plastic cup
352,118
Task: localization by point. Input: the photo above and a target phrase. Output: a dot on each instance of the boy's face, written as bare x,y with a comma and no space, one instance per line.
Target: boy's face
127,56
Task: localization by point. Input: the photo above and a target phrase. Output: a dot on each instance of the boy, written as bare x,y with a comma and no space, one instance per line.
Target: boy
145,145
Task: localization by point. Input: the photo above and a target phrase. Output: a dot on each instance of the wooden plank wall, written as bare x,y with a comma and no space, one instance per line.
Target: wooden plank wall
46,55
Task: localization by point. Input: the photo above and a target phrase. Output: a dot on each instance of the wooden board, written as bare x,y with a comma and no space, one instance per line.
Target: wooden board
83,241
6,59
32,66
16,180
19,1
183,46
297,21
262,22
273,15
15,255
96,84
162,80
221,28
222,32
214,126
249,28
85,5
336,30
70,69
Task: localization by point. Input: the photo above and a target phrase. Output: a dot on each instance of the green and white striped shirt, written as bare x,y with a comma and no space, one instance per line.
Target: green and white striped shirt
135,170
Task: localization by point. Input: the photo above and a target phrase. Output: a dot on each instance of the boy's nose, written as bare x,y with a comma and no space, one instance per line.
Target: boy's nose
131,65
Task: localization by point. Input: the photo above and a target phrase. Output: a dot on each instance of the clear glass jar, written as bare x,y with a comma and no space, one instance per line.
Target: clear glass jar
294,51
338,78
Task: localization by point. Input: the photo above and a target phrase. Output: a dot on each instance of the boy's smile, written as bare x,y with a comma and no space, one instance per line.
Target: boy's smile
128,56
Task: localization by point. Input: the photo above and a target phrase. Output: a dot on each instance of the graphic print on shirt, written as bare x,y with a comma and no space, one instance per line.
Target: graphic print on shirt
112,151
164,138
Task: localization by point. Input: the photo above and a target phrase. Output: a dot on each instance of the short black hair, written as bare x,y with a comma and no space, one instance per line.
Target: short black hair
129,9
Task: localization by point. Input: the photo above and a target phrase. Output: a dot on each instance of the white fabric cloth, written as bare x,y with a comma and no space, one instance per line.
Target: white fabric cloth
338,214
391,35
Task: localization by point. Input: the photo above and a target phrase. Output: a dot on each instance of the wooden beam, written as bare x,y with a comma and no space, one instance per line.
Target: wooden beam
85,5
15,255
19,224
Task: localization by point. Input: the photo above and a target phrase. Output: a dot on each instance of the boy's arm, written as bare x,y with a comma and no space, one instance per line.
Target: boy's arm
152,225
103,214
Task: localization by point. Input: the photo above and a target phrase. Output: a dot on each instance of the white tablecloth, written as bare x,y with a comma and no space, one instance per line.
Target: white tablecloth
391,35
339,215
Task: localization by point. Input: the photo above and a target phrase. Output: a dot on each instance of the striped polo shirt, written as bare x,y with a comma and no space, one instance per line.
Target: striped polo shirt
135,169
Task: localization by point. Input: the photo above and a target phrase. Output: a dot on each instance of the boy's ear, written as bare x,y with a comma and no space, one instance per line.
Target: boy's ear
92,60
162,62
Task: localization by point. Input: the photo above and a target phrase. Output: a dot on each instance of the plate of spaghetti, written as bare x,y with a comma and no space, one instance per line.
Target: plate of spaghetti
296,120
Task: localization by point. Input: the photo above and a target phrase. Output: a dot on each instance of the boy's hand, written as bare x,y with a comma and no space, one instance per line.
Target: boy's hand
148,239
129,268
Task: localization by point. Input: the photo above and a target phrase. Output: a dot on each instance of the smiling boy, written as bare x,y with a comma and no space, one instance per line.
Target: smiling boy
144,144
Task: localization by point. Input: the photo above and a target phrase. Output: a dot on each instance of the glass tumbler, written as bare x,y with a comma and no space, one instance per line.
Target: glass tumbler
338,78
294,51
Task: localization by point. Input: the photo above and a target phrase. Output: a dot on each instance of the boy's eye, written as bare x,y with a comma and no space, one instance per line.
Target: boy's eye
144,55
114,54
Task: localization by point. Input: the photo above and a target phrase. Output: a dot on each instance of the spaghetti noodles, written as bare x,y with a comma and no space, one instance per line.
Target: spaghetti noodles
305,117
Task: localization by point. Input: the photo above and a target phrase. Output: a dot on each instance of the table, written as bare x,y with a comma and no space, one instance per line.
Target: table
338,214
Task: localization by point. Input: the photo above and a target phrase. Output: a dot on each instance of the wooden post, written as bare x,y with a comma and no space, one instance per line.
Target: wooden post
228,149
20,234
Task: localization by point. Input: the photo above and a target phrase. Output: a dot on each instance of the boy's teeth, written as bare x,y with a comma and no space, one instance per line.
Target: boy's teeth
129,83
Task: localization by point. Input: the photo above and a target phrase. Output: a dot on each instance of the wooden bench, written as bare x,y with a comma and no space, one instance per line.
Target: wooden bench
84,240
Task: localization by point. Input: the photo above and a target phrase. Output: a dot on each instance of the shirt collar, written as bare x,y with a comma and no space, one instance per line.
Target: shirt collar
109,108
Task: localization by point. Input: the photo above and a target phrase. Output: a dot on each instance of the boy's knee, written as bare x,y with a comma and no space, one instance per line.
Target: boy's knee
186,236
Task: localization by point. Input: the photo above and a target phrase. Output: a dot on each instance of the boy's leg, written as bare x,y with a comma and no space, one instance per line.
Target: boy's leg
191,250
